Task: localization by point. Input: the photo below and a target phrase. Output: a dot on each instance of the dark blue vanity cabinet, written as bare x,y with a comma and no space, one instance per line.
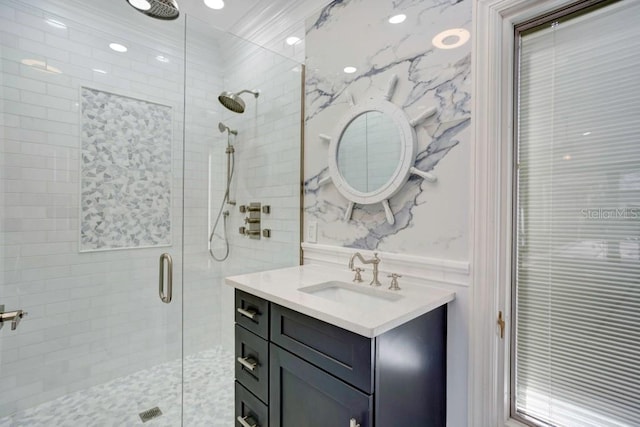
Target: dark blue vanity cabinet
320,375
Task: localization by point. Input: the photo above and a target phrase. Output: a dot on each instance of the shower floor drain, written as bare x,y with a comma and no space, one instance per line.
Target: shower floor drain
150,414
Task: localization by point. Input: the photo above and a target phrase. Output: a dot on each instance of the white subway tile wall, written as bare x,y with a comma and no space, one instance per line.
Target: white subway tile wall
267,170
267,163
97,316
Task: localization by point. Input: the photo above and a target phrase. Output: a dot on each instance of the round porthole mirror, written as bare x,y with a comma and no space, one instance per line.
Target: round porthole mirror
369,151
372,152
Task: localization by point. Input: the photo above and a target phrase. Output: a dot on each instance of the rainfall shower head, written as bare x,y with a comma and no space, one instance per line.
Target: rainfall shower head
226,128
159,9
233,102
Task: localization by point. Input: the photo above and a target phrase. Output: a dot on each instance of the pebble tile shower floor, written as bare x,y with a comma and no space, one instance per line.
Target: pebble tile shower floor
208,398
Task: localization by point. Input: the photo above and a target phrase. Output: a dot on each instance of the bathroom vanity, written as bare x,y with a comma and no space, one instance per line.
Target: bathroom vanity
314,350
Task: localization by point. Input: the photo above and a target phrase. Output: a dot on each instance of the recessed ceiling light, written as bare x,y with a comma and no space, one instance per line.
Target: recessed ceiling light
350,70
162,58
451,39
397,19
586,134
140,4
118,47
56,24
293,40
567,157
99,71
214,4
36,64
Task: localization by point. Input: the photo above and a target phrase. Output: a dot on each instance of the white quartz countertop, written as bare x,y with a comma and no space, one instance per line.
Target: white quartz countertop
362,314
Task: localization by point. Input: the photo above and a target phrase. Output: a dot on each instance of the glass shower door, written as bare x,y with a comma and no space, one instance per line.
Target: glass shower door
91,154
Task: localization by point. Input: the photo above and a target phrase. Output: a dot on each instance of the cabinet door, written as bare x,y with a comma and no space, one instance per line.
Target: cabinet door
303,395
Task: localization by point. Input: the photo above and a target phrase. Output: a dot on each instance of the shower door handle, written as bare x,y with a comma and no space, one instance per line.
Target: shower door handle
166,259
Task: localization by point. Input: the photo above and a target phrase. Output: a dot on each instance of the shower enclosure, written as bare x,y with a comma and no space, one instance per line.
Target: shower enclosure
110,159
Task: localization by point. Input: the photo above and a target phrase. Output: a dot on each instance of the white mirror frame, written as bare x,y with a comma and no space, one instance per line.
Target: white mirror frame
405,168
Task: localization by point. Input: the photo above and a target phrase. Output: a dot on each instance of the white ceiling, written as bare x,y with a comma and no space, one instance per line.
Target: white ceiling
264,22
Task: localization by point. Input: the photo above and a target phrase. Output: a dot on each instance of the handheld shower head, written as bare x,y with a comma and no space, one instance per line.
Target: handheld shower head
226,128
233,102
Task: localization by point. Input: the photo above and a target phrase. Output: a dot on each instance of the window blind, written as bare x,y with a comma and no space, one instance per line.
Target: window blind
576,358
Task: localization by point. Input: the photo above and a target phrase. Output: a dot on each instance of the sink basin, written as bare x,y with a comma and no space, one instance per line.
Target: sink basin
350,294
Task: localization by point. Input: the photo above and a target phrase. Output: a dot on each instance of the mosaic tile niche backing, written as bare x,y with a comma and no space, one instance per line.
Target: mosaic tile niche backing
125,199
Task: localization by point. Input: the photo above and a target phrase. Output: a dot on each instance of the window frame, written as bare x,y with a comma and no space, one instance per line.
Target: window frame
492,202
564,13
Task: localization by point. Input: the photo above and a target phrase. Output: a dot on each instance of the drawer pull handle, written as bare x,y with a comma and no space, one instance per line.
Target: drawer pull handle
251,314
244,421
353,423
248,363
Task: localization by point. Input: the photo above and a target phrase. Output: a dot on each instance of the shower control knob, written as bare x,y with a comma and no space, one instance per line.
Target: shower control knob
242,230
242,208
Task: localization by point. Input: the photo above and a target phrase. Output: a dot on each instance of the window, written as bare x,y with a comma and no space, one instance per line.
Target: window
575,357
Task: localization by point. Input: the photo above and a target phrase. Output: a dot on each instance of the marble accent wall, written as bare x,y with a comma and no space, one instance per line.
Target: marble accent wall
429,240
431,219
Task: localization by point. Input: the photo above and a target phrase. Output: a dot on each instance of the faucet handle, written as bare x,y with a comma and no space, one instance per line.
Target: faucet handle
358,277
18,317
394,282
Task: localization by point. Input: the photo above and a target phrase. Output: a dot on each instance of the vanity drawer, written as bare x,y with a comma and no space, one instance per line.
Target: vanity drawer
347,355
249,409
252,363
252,312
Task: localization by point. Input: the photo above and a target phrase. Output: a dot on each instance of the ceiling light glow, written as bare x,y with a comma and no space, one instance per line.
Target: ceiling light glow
350,70
99,71
451,39
397,19
118,47
36,64
293,40
586,134
56,24
140,4
214,4
162,58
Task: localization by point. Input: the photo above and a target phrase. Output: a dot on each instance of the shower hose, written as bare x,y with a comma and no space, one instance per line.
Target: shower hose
222,214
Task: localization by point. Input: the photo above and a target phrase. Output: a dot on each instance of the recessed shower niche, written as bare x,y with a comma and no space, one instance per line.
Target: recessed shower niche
126,161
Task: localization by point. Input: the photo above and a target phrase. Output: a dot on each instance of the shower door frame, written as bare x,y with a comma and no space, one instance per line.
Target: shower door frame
105,315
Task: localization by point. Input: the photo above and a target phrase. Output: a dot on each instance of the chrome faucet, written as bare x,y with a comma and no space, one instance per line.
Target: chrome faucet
375,261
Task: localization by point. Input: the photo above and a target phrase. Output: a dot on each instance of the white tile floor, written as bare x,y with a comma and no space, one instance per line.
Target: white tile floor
208,398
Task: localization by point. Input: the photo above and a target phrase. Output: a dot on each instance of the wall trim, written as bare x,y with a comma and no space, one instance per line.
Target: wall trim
490,216
434,269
